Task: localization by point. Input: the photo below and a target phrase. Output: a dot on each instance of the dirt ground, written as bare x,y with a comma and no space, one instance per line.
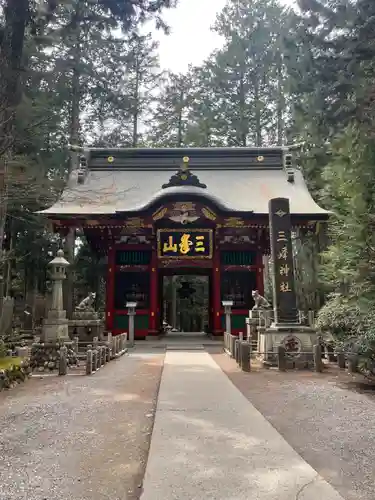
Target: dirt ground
327,418
78,437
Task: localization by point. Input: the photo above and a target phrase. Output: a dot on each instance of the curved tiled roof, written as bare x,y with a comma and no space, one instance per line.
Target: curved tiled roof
105,191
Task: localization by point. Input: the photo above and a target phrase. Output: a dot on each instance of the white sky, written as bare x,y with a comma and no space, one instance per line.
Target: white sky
191,40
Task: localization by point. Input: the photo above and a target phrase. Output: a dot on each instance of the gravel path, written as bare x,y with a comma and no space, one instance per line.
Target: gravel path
329,425
78,437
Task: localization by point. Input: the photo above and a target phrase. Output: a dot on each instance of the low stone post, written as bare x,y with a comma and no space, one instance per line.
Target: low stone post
318,362
237,344
94,360
104,354
311,318
108,353
95,341
281,358
89,362
341,360
63,360
245,359
98,363
109,337
353,363
131,314
232,345
75,344
248,331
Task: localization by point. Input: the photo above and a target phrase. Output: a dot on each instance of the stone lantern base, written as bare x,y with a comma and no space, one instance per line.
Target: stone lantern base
55,326
297,339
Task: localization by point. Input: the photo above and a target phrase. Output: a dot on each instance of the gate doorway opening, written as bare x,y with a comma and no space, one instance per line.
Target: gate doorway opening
185,302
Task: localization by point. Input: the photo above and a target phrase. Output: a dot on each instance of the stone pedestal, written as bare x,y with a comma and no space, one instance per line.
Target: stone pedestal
86,325
297,339
55,326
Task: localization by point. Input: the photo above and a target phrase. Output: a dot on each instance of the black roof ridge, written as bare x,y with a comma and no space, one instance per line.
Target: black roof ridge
188,148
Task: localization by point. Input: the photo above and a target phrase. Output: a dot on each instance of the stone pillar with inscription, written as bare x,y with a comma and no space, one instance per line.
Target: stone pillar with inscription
286,329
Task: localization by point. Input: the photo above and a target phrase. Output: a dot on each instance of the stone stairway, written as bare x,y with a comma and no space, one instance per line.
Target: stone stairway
181,341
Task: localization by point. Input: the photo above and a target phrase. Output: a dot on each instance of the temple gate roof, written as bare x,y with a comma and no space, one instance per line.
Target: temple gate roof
113,181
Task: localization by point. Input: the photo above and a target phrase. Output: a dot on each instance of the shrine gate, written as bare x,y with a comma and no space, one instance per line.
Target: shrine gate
159,212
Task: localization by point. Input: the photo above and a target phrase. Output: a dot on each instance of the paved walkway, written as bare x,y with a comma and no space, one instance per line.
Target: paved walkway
209,442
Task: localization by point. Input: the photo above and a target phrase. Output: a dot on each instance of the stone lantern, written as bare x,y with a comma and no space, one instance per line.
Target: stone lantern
55,326
228,304
131,313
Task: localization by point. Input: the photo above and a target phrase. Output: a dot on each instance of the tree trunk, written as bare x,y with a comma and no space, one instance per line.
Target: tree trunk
280,101
242,132
180,122
75,106
16,17
258,119
136,104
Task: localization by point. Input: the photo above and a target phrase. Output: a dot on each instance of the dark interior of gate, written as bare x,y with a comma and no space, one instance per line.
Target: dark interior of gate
159,213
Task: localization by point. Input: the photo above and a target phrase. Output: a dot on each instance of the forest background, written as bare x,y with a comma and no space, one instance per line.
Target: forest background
87,72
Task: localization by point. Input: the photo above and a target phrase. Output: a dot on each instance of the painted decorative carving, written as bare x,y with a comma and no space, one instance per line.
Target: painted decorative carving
183,213
233,222
184,218
134,222
181,206
160,213
209,213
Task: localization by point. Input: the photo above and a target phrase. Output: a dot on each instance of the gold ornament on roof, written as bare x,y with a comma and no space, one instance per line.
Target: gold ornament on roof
110,159
159,214
185,163
260,158
208,213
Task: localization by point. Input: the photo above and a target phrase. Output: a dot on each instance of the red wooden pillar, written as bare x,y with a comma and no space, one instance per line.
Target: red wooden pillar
260,277
216,294
110,306
154,306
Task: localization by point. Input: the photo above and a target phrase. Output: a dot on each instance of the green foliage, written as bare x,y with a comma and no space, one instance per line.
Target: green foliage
238,97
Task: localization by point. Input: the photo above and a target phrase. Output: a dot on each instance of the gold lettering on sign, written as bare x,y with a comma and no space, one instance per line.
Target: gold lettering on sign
283,254
284,270
281,236
170,246
199,244
185,244
284,287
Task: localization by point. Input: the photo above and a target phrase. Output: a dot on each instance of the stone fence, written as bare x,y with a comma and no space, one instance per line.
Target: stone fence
241,350
51,356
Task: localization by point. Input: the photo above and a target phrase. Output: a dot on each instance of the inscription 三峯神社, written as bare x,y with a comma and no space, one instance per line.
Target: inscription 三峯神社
283,268
284,296
193,244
